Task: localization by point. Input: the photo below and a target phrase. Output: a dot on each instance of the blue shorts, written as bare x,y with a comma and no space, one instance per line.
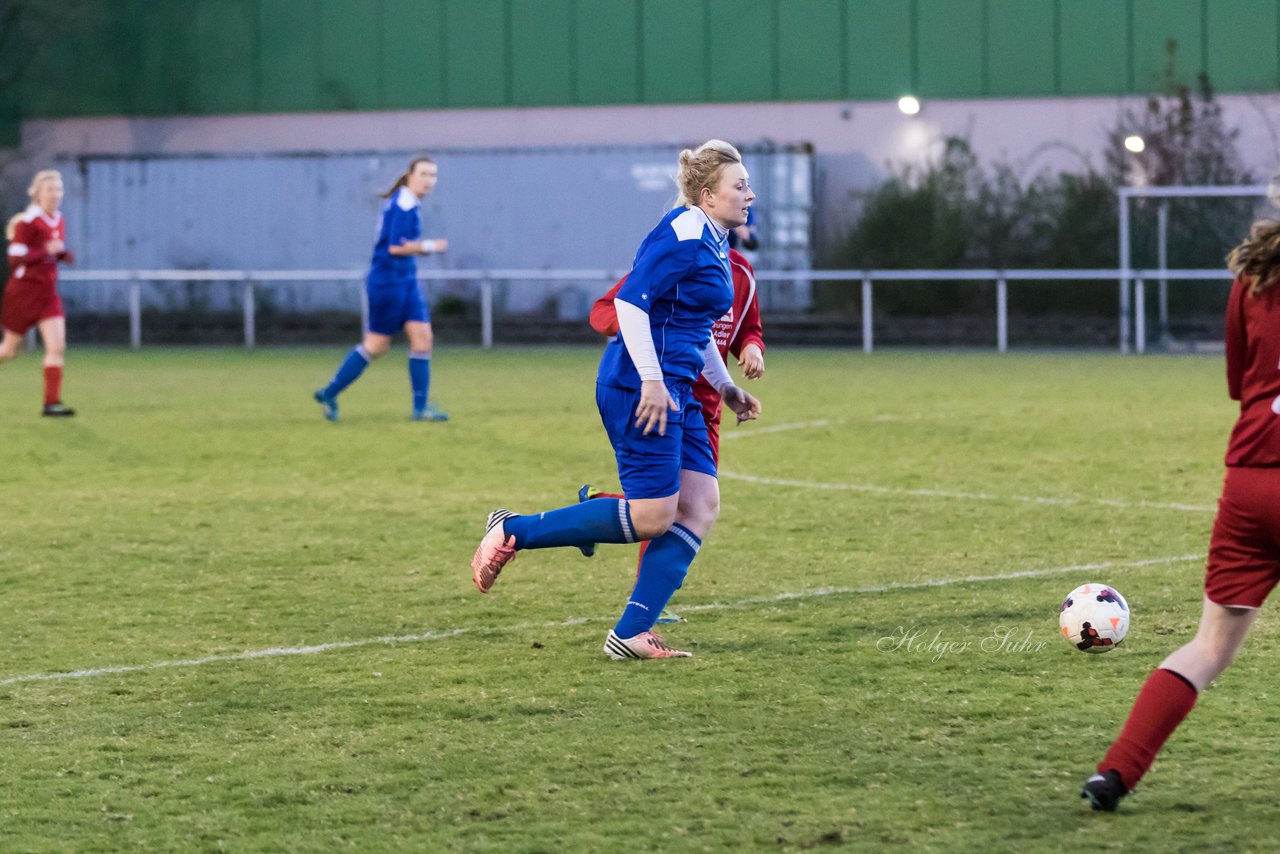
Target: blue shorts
650,466
393,304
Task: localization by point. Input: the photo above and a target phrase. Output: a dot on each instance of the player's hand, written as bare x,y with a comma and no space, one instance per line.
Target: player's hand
53,247
745,406
429,246
655,400
751,361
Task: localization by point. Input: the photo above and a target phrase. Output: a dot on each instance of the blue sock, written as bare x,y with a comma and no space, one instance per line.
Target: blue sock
603,520
420,378
349,371
662,571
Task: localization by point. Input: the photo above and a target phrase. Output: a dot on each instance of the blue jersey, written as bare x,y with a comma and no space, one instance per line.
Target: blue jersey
681,277
399,222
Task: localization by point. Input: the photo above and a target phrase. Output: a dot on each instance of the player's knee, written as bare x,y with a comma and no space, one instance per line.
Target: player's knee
651,522
651,530
8,353
376,349
699,512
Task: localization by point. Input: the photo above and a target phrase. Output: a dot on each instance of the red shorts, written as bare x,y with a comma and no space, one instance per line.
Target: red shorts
711,409
26,304
713,435
1244,551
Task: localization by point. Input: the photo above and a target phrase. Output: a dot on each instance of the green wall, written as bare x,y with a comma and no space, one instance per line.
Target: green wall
165,57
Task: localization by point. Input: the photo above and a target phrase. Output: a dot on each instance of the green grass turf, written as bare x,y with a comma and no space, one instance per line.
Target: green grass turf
200,507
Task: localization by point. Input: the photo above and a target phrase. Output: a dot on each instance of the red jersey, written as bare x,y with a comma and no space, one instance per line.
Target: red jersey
1253,374
739,327
31,264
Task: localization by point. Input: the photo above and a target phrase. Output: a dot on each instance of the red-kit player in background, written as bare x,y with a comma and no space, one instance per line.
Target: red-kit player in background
739,332
1244,548
37,245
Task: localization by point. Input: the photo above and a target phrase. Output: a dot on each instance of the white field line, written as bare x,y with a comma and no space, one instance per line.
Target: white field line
776,428
941,582
392,640
873,489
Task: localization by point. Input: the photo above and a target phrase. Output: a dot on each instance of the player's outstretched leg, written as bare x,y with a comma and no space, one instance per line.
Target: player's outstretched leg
1170,692
575,525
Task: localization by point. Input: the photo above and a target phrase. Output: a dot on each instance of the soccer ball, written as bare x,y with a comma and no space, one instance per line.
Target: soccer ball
1094,618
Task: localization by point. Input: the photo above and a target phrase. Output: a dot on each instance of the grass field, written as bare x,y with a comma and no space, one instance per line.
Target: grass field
874,618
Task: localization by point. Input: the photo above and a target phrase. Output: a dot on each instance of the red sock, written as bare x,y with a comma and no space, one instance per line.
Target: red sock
609,495
52,384
644,544
1163,702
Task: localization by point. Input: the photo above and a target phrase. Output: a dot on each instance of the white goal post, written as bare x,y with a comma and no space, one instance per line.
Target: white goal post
1132,313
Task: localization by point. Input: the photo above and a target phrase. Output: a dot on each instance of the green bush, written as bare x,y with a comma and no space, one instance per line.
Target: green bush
953,212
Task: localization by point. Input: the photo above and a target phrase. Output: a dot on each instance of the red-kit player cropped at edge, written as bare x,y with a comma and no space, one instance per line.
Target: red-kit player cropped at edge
37,245
1244,549
738,332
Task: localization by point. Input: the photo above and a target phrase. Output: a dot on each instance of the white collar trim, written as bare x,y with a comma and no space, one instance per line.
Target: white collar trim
34,210
717,229
406,200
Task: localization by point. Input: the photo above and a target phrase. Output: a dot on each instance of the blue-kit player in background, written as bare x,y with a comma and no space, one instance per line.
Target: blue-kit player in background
395,300
744,238
679,285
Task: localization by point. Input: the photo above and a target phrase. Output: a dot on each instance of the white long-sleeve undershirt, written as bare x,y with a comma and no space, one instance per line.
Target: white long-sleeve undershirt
713,367
633,323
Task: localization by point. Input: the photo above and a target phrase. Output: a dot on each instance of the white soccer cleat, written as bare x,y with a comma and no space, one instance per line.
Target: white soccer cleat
644,645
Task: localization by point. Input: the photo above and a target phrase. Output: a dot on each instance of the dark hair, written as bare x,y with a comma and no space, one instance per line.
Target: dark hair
404,178
1258,256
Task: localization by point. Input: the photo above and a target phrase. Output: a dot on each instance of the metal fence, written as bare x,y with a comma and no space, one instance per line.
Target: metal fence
1131,290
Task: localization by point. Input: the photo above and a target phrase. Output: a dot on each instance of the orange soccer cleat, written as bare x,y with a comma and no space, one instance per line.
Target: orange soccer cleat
496,551
643,645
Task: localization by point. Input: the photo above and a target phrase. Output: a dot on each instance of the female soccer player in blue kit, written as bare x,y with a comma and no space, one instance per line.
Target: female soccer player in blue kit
679,285
395,301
